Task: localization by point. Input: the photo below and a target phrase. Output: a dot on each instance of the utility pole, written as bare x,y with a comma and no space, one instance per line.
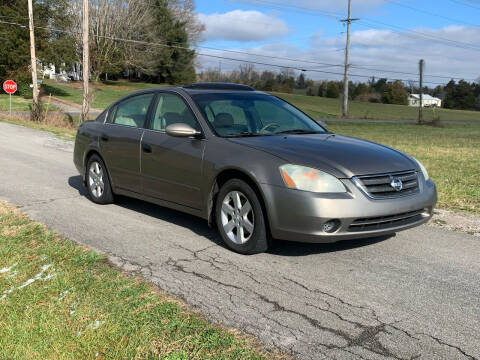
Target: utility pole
421,65
348,20
35,115
86,61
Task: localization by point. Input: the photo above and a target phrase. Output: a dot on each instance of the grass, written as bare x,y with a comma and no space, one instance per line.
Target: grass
319,107
103,94
106,93
451,155
59,300
57,125
18,103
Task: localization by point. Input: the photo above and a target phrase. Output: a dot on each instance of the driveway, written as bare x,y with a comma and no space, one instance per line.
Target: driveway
413,295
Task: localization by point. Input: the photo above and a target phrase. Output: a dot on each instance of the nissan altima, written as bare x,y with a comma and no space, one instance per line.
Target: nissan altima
250,164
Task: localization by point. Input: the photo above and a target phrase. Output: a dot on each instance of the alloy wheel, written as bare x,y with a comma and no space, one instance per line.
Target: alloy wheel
237,217
95,179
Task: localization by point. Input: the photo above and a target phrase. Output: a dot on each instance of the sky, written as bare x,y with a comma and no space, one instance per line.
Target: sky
388,40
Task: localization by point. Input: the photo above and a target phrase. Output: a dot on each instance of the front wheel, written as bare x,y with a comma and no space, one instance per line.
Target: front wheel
240,219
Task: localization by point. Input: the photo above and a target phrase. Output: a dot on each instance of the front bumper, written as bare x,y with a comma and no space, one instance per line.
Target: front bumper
299,215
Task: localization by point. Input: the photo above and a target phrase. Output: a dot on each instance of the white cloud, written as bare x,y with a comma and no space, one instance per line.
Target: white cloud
330,5
242,25
376,49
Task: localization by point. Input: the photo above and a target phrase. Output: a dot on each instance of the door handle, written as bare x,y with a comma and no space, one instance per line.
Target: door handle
104,137
146,148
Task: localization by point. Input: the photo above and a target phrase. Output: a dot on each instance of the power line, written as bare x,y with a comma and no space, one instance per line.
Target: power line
465,4
445,41
430,13
210,55
310,11
310,61
365,67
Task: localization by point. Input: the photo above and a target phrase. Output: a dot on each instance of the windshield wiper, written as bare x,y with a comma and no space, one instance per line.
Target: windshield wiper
245,134
298,131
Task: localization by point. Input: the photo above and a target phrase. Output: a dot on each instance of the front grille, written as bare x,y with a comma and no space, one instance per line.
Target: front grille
386,222
378,186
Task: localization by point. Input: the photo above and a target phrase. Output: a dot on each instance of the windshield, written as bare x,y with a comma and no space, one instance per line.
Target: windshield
253,114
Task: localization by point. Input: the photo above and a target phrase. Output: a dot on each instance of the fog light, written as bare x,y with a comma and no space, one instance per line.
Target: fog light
331,226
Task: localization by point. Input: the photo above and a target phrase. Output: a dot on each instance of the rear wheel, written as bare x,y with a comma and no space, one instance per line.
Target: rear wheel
97,181
240,219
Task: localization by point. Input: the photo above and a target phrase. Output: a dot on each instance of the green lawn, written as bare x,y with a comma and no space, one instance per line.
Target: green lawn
319,107
451,155
18,103
105,93
59,300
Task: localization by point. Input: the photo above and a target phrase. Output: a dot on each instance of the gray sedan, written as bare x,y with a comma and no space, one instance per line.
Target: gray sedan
252,164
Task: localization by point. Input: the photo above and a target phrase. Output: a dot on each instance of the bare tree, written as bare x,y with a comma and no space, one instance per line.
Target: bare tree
114,21
184,10
111,22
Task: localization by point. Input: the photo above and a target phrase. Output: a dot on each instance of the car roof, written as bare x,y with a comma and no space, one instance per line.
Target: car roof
199,88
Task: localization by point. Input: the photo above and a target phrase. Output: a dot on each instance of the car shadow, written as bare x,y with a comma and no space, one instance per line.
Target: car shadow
193,223
291,248
201,228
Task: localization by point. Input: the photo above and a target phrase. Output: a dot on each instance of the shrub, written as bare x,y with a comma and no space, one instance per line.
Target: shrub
23,78
333,90
369,97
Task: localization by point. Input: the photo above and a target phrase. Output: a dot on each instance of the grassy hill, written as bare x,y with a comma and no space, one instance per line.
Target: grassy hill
104,94
320,107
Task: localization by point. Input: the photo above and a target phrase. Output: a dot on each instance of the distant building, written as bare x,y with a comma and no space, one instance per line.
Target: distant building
427,101
50,71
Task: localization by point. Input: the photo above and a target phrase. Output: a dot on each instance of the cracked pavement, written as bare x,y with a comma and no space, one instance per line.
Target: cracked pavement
415,295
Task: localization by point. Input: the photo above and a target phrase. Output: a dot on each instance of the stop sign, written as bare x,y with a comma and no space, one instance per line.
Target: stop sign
10,86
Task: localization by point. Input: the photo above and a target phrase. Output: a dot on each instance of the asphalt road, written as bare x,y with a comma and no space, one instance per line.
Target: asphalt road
414,295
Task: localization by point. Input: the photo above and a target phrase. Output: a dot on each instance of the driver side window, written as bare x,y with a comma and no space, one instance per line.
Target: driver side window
171,109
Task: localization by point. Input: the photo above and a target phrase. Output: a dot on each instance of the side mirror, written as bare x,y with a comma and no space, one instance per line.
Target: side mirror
181,130
321,123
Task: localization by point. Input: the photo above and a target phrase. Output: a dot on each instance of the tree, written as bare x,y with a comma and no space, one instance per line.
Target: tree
449,90
464,97
52,47
360,89
333,90
379,86
460,96
395,93
438,92
173,63
322,89
301,81
149,37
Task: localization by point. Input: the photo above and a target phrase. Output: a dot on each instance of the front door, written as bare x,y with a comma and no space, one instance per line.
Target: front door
172,166
120,142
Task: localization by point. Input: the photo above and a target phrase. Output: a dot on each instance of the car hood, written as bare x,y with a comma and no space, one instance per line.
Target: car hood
341,156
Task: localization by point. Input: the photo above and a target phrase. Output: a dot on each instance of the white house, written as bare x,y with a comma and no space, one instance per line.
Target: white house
427,101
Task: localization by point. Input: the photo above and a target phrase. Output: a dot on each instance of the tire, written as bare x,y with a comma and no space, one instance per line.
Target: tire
242,227
98,183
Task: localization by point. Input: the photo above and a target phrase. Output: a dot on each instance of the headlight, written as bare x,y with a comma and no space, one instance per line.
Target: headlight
308,179
424,171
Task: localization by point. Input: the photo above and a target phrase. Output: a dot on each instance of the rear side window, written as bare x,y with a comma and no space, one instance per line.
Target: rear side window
133,111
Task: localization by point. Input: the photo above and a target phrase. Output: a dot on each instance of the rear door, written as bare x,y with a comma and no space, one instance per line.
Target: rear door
172,166
120,142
